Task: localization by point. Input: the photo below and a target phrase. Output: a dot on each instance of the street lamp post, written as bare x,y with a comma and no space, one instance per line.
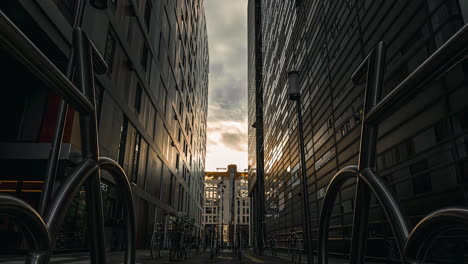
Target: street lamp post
222,214
218,224
221,207
295,95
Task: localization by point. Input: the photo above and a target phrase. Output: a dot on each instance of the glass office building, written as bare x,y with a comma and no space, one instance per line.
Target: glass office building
422,149
152,110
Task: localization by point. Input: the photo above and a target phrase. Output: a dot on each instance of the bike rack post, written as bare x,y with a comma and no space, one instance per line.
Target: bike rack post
438,222
56,144
373,65
411,247
35,229
90,146
43,229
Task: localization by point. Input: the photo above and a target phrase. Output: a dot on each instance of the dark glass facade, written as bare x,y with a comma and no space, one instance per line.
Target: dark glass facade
255,121
152,109
422,150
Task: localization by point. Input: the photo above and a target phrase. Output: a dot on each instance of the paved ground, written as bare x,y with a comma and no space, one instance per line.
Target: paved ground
143,257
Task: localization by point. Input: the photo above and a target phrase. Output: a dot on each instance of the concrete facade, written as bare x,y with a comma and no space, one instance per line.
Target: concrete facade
227,205
152,108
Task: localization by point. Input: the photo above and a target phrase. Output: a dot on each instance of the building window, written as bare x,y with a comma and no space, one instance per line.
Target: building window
177,162
171,191
298,3
136,159
138,98
113,3
421,182
460,121
145,57
159,45
99,99
181,107
162,96
148,14
123,140
110,49
130,30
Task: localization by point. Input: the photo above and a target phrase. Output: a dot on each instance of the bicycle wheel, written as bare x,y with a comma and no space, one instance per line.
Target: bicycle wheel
173,254
184,253
293,254
158,249
297,253
180,253
152,246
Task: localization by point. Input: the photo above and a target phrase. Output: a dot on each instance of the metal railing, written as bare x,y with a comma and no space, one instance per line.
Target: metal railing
42,229
413,245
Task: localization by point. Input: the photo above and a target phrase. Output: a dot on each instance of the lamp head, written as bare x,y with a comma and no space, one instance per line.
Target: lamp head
99,4
294,89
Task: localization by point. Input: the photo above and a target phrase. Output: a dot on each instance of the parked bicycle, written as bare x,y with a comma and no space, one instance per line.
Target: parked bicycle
176,236
156,241
273,245
181,239
191,240
294,247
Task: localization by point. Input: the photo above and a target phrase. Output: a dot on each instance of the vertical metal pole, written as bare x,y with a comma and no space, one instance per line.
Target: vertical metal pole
233,200
220,206
305,192
211,243
222,214
259,150
258,221
90,149
369,135
56,144
253,218
260,180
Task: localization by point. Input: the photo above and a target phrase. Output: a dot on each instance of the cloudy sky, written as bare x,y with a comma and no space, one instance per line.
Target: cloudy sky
227,111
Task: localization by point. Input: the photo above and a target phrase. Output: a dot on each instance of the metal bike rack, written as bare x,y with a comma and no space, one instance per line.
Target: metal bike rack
43,229
412,245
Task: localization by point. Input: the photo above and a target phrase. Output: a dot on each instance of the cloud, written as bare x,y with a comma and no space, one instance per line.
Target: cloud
235,141
218,113
233,94
227,102
217,69
226,139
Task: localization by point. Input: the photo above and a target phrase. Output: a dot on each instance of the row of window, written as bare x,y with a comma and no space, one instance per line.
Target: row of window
214,219
145,60
421,177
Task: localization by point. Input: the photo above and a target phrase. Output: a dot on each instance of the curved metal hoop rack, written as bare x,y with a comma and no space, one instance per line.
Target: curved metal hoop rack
42,229
413,245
